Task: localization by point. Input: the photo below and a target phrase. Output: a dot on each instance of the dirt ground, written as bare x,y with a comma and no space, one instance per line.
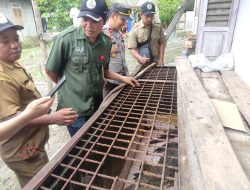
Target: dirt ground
59,134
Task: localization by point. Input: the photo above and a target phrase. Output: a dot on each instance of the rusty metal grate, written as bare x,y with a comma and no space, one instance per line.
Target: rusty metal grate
132,145
161,73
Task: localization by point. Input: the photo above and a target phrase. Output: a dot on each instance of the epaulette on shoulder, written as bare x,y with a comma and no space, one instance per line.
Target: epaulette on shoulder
135,26
67,31
6,78
105,34
157,24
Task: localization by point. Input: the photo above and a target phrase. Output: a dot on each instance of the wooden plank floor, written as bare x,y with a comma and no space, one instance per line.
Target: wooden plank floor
229,87
216,160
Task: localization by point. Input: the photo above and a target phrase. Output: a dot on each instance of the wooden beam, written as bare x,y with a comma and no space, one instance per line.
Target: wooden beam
215,87
176,19
217,163
183,172
239,91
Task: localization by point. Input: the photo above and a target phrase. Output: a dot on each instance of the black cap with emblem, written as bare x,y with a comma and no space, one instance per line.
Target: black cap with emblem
148,8
5,24
94,9
122,9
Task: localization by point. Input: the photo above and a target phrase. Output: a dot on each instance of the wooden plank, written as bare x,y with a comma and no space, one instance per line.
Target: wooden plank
229,115
218,163
219,1
183,171
215,87
239,91
198,73
219,6
241,143
218,12
217,18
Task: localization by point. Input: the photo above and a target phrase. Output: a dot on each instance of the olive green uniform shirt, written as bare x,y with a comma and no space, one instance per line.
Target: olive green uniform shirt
83,64
17,90
139,33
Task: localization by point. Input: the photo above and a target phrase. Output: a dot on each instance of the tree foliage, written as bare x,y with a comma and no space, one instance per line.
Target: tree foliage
57,12
167,9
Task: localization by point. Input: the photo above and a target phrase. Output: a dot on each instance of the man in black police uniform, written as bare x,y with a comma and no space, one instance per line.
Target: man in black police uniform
118,15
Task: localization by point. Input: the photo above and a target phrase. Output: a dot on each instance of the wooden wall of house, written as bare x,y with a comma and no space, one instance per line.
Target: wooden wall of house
20,12
241,41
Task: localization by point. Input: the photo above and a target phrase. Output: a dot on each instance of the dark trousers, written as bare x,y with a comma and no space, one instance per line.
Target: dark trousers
108,87
73,128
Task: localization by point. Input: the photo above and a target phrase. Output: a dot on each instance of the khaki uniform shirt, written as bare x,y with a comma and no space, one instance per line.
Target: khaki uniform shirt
117,54
17,90
139,33
83,64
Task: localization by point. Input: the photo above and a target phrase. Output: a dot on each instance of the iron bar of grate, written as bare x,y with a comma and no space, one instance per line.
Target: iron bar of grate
161,73
131,145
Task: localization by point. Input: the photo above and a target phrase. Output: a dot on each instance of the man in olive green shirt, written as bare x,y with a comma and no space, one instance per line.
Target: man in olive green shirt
82,55
140,33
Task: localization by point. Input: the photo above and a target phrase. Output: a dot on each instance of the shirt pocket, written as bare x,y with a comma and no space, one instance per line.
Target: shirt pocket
80,63
116,66
142,35
155,36
29,92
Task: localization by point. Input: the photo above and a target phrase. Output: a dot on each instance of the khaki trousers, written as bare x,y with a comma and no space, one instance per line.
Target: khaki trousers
26,169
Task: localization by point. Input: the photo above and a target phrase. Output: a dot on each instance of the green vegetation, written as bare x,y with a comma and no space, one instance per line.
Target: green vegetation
31,60
57,12
167,9
30,42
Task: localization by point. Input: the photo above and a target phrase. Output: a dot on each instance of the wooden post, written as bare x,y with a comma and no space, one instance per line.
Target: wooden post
40,37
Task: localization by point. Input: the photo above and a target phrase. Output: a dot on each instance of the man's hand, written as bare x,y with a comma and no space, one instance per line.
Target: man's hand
143,60
65,116
38,107
131,81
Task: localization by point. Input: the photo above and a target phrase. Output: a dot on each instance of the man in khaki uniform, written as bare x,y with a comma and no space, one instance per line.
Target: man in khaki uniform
24,151
118,15
140,33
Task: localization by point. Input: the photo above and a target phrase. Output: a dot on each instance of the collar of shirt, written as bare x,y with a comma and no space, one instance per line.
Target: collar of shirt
10,66
142,25
81,36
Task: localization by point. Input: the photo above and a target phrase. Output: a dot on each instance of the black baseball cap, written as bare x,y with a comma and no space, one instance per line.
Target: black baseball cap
94,9
122,9
148,8
5,24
